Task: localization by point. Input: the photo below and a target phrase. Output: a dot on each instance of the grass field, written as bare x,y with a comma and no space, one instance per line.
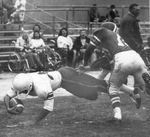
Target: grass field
75,117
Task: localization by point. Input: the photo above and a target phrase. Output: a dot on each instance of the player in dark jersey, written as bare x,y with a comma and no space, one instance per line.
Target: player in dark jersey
126,62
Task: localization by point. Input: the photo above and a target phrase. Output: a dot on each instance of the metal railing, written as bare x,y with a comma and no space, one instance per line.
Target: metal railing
123,9
54,18
72,14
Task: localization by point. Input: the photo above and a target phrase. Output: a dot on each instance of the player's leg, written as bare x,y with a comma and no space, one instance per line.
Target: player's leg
80,90
83,85
134,93
69,73
117,79
103,74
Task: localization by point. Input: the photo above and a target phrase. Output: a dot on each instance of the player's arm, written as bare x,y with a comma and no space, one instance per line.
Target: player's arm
6,101
41,116
88,52
7,98
48,107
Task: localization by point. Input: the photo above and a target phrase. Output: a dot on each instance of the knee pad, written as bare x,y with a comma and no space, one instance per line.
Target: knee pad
146,78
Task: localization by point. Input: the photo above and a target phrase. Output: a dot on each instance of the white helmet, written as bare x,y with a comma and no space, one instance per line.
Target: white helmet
22,82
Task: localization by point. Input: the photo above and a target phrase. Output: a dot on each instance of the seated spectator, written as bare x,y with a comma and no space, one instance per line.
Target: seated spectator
65,45
94,14
39,46
37,41
79,46
113,14
37,27
23,43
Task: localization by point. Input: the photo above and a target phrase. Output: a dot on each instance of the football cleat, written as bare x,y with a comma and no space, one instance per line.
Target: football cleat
136,97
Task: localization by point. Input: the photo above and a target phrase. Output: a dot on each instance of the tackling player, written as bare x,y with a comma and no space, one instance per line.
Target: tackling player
126,62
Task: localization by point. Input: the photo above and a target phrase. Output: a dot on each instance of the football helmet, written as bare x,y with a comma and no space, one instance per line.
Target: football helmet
110,25
22,83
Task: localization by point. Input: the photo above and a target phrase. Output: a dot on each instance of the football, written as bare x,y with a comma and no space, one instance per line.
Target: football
17,104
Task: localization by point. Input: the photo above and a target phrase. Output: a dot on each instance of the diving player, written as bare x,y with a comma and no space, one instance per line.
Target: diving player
43,85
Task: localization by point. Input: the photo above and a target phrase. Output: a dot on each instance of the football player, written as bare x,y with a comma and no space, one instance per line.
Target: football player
43,85
126,62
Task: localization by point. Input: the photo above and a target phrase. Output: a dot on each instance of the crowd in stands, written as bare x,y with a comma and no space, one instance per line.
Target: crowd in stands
72,50
112,15
32,46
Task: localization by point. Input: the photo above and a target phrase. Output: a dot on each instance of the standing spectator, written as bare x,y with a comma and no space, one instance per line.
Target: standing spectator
113,14
20,6
146,53
130,30
94,13
80,45
65,45
9,6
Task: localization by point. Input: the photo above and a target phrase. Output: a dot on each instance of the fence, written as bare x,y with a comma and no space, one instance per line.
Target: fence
75,16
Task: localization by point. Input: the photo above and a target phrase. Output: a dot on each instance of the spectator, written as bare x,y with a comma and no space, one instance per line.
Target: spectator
37,41
65,45
9,6
80,45
37,27
23,43
20,6
146,53
113,14
3,12
39,46
130,30
94,14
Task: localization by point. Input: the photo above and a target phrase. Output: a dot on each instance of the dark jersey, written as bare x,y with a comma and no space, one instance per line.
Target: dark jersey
110,41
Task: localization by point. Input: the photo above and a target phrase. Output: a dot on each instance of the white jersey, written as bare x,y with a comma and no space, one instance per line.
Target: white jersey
43,87
63,42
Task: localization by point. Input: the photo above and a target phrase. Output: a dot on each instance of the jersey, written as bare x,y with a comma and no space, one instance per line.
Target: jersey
43,87
110,41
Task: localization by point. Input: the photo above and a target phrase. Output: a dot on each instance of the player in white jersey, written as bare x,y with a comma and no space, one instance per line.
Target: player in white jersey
43,85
